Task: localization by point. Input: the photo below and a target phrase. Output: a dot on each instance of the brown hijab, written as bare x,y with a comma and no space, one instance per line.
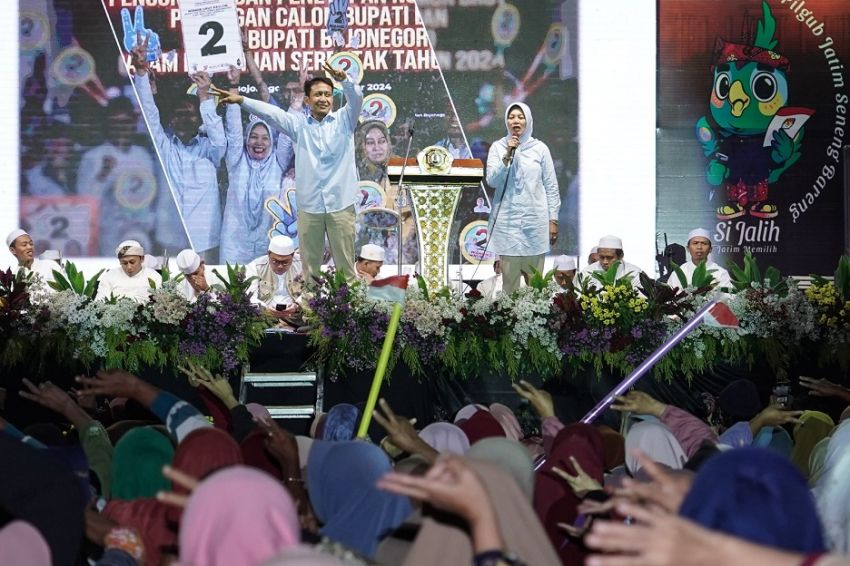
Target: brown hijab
441,542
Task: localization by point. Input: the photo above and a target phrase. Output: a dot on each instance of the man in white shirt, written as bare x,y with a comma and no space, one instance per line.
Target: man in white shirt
193,268
369,262
278,285
190,152
610,250
565,271
325,165
491,287
22,247
133,280
699,248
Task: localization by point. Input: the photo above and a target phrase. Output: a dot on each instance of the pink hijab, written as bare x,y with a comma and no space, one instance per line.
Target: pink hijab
22,545
237,517
508,421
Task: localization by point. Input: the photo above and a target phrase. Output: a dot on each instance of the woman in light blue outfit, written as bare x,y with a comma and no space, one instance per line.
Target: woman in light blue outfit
255,174
524,222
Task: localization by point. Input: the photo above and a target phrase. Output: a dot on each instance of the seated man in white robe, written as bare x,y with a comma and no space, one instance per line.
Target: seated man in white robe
369,262
132,280
278,285
699,248
610,250
565,271
22,247
491,287
194,282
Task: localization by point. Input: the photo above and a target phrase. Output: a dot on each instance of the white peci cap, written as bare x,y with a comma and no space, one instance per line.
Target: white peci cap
129,247
610,242
14,235
565,263
699,233
188,262
282,245
372,252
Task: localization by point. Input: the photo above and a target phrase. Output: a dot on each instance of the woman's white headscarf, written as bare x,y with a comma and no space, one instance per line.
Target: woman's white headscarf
526,141
260,172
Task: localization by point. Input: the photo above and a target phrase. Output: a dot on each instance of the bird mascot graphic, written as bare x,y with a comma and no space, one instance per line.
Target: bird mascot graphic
751,137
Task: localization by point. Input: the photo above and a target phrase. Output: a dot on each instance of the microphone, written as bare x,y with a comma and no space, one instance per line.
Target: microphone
510,154
410,126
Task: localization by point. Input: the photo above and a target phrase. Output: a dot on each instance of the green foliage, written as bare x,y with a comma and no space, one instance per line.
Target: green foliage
71,278
748,275
538,280
423,286
236,283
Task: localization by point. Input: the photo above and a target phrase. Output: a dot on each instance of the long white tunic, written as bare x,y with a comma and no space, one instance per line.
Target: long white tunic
116,282
519,221
191,168
722,279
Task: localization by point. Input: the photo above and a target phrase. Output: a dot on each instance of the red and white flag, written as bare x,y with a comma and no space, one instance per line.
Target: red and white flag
393,289
721,316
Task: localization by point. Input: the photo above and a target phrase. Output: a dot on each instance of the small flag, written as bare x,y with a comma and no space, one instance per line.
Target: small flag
721,316
393,289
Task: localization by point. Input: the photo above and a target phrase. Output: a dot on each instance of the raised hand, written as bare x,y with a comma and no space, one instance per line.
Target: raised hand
184,480
113,382
139,54
134,30
401,432
581,483
664,489
203,82
48,395
198,375
227,97
639,403
286,224
336,74
824,388
541,401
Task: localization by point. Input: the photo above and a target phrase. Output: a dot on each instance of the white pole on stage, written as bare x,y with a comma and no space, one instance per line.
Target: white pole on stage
401,199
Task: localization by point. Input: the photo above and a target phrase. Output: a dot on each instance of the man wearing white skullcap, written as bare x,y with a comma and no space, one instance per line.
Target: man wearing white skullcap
194,282
133,280
369,262
593,256
699,248
610,250
22,247
278,284
565,270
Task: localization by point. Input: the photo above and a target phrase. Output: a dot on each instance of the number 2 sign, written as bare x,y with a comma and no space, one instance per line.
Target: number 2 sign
211,36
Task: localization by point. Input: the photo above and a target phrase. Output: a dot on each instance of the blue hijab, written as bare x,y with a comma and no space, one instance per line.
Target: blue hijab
341,422
341,478
758,495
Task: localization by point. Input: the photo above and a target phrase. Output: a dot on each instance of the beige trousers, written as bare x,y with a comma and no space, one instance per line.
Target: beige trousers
514,265
339,227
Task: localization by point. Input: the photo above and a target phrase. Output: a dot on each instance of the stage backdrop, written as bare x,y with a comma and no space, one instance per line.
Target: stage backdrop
91,174
752,112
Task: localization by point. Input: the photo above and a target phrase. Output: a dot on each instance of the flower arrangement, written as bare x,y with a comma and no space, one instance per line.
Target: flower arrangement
601,323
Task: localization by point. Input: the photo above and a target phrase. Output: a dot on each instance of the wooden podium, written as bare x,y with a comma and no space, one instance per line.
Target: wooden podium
434,181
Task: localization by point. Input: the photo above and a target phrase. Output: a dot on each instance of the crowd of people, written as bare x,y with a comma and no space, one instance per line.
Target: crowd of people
143,477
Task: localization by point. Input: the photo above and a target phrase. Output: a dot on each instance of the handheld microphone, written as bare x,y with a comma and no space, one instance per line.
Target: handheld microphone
510,154
410,126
